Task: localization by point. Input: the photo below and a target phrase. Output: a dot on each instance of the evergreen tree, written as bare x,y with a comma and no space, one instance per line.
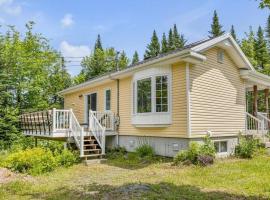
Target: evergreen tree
261,51
267,30
178,40
171,45
153,49
233,33
248,46
164,44
98,44
216,28
135,57
123,60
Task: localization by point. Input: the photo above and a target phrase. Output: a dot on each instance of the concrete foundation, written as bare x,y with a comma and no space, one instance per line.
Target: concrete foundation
166,146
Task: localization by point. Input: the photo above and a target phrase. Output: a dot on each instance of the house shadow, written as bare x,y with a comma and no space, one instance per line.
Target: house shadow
163,190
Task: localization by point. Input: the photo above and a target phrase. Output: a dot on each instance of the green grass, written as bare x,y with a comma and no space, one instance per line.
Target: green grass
226,179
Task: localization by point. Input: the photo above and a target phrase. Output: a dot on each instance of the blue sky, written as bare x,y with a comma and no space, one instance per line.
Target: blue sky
72,26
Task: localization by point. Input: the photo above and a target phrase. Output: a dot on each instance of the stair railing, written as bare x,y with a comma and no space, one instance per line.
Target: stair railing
97,130
253,124
76,131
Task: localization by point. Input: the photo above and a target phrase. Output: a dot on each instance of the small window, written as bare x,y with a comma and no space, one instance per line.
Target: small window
162,94
108,100
220,56
144,104
221,146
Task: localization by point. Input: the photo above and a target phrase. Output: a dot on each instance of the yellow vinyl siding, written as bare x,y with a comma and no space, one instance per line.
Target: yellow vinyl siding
77,103
217,96
178,128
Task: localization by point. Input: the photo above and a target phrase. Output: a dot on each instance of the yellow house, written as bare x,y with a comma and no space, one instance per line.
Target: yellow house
167,101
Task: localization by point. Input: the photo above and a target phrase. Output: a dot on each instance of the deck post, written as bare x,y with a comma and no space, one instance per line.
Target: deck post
81,142
54,120
255,100
70,118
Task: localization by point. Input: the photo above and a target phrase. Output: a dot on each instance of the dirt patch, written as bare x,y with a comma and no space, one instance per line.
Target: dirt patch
7,176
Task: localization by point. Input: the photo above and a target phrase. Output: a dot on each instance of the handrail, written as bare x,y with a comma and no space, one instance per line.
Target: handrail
264,119
253,124
77,132
97,130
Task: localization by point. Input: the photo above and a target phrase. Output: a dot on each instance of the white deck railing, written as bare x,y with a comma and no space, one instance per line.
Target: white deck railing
106,119
253,124
97,130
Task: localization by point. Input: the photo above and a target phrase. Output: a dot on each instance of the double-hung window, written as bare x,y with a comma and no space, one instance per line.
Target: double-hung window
162,94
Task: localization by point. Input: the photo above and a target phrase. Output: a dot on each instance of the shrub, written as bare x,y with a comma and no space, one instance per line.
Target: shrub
66,158
197,154
208,148
246,147
188,156
34,161
145,150
116,152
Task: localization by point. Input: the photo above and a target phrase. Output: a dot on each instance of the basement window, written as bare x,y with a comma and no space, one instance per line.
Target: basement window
221,146
220,56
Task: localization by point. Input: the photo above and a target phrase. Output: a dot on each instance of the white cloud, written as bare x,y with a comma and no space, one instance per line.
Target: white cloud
67,21
74,54
10,7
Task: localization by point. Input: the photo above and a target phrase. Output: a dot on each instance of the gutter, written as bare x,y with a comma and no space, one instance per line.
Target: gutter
181,55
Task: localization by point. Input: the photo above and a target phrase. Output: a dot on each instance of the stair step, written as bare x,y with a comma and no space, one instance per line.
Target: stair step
90,145
91,150
92,155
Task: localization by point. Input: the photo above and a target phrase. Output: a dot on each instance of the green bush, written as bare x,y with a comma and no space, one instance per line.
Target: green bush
39,160
145,150
116,152
34,161
208,148
66,158
246,147
197,154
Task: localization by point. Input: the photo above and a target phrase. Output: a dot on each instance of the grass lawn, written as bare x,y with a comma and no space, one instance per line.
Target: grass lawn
125,179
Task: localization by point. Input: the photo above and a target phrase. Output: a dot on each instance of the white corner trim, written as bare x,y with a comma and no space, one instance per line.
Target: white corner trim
188,101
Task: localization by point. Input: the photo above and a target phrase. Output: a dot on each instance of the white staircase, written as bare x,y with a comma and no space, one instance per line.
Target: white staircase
58,123
258,126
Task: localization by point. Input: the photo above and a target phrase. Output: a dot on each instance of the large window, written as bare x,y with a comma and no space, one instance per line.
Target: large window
162,94
108,100
144,103
152,94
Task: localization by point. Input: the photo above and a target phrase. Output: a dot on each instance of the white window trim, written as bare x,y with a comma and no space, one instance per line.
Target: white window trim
222,153
153,94
85,104
106,99
153,118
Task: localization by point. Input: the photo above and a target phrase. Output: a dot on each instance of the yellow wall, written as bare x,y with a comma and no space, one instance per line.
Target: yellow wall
77,103
179,123
217,96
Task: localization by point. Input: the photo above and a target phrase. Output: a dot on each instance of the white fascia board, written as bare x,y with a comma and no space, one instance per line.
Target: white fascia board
178,56
206,45
255,77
